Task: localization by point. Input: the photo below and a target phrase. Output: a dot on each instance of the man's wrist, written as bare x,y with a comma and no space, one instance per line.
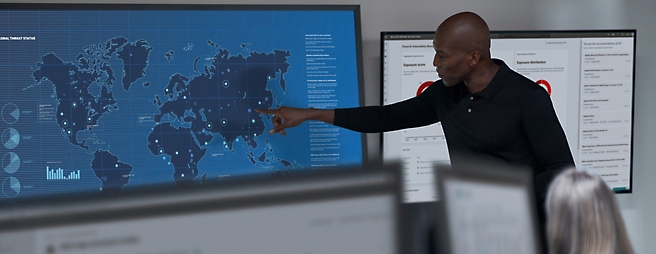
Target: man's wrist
324,115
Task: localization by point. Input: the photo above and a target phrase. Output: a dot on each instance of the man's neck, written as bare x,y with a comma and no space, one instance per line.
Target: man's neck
482,76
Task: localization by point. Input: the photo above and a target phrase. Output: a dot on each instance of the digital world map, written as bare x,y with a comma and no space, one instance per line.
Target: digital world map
219,101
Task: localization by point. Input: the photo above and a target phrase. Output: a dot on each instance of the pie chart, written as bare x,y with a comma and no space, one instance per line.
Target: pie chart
10,162
10,113
11,187
10,138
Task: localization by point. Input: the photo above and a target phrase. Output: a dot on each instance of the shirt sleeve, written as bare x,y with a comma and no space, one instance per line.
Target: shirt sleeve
414,112
546,138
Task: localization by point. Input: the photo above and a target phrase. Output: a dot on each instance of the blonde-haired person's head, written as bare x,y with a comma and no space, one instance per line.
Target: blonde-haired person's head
583,216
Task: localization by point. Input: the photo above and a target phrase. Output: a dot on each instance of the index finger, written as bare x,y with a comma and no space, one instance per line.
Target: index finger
266,111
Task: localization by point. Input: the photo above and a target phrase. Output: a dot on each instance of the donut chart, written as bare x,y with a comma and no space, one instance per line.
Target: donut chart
545,84
423,87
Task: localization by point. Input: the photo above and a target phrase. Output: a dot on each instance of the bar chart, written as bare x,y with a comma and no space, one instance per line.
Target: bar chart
58,174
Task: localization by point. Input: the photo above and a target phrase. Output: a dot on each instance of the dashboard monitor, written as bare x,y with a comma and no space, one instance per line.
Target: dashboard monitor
104,97
486,207
589,75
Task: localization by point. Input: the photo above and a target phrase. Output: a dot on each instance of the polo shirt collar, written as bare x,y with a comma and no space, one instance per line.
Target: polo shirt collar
497,81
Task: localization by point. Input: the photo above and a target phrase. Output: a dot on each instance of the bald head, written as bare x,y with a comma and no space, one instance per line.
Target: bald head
466,31
462,52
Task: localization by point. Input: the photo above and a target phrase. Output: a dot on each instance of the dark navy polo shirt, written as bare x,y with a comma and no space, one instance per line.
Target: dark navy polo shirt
511,119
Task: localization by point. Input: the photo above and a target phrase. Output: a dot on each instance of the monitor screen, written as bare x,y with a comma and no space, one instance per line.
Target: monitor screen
103,97
486,208
345,212
588,74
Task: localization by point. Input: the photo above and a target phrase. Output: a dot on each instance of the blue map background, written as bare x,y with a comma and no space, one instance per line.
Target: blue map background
178,41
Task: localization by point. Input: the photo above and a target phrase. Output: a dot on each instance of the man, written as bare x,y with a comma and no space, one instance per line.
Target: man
485,108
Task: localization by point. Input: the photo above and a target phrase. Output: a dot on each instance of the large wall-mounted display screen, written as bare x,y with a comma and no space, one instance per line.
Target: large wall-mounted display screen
102,97
589,75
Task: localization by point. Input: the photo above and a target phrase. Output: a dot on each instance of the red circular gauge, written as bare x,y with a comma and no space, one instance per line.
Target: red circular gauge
423,87
546,84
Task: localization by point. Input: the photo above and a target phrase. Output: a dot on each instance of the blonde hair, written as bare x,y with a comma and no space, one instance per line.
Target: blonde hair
583,216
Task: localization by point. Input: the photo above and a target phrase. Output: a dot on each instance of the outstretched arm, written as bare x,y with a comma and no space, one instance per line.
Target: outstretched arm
286,117
414,112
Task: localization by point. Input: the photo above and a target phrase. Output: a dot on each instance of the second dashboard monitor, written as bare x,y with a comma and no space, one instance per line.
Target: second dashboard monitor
589,75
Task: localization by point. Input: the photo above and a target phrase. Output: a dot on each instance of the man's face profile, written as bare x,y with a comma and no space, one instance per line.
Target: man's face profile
450,62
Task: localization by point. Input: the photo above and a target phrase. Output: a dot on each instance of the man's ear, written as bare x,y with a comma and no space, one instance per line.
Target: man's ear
474,58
